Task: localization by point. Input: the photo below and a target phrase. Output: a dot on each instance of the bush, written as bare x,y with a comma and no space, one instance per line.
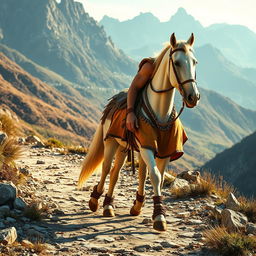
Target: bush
228,244
54,143
8,126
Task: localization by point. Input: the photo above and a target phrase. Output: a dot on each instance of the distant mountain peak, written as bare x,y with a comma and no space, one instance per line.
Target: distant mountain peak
146,16
182,15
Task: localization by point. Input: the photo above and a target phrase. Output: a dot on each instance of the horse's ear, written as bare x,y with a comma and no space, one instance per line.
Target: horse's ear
173,40
191,40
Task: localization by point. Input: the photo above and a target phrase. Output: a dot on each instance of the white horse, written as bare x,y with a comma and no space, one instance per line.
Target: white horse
176,69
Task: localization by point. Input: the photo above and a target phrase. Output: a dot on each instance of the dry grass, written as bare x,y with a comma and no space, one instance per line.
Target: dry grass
37,247
10,151
9,126
228,244
36,211
53,143
208,185
248,207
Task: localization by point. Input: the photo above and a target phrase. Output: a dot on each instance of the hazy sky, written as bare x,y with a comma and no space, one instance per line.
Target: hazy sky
206,11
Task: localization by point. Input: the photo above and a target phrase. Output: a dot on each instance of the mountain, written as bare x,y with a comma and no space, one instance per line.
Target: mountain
64,39
145,31
217,73
237,165
43,108
217,123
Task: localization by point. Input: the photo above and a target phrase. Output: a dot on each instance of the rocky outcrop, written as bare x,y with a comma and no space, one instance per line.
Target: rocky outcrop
66,40
8,193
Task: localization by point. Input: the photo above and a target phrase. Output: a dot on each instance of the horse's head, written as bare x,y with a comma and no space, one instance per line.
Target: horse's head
183,69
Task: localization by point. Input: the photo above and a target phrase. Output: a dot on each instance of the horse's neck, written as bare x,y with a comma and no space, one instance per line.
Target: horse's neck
161,103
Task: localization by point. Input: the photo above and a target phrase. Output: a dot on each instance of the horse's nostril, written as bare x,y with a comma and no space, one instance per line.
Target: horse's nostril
190,97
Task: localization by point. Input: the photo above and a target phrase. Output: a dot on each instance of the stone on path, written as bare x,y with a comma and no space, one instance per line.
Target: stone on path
8,235
8,192
190,176
233,221
4,210
251,228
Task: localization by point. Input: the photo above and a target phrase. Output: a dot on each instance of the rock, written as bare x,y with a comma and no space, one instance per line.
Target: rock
4,210
233,221
232,203
166,244
2,225
34,140
3,137
194,222
8,192
187,235
142,248
19,204
10,220
40,162
8,235
183,214
146,221
157,248
168,179
251,228
190,176
34,234
24,171
179,184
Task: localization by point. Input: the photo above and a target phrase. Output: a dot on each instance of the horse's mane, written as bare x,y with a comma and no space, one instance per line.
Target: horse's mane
160,56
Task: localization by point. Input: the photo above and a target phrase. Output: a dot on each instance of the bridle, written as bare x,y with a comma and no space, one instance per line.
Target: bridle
180,84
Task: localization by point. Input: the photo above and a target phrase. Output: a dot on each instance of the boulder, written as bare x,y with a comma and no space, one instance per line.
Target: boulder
179,184
233,221
232,203
8,192
32,139
251,228
190,176
4,210
19,204
168,179
3,137
8,235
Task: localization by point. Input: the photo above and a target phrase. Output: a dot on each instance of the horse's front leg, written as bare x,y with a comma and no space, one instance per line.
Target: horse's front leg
110,147
140,195
159,221
114,173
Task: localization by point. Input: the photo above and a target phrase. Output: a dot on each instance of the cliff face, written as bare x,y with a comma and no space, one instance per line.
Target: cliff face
237,165
44,108
63,38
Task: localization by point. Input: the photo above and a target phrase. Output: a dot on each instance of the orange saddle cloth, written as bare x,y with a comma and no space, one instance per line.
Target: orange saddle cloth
164,143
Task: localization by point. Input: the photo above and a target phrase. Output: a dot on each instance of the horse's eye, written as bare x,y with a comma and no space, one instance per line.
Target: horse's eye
177,63
195,62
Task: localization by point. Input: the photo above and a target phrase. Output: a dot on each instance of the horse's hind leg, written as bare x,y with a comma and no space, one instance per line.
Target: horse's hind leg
114,173
110,147
140,195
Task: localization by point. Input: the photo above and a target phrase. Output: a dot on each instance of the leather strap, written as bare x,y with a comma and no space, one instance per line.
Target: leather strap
95,194
108,200
158,206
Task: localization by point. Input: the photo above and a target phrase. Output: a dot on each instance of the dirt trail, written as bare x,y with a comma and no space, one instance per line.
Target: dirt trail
78,231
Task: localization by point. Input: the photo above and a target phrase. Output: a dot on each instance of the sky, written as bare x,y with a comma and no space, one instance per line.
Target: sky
206,11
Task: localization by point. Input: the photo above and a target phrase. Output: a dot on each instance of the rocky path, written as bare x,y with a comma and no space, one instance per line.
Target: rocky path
75,230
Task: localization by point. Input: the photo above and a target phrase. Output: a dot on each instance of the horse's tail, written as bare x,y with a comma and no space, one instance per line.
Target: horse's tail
93,158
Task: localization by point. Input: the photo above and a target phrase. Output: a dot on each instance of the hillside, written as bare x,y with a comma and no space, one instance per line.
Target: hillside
144,34
46,110
237,165
215,124
63,38
216,72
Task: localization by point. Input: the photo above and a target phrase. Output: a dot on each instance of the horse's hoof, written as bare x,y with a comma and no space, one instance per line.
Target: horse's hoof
108,213
160,225
134,212
93,207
